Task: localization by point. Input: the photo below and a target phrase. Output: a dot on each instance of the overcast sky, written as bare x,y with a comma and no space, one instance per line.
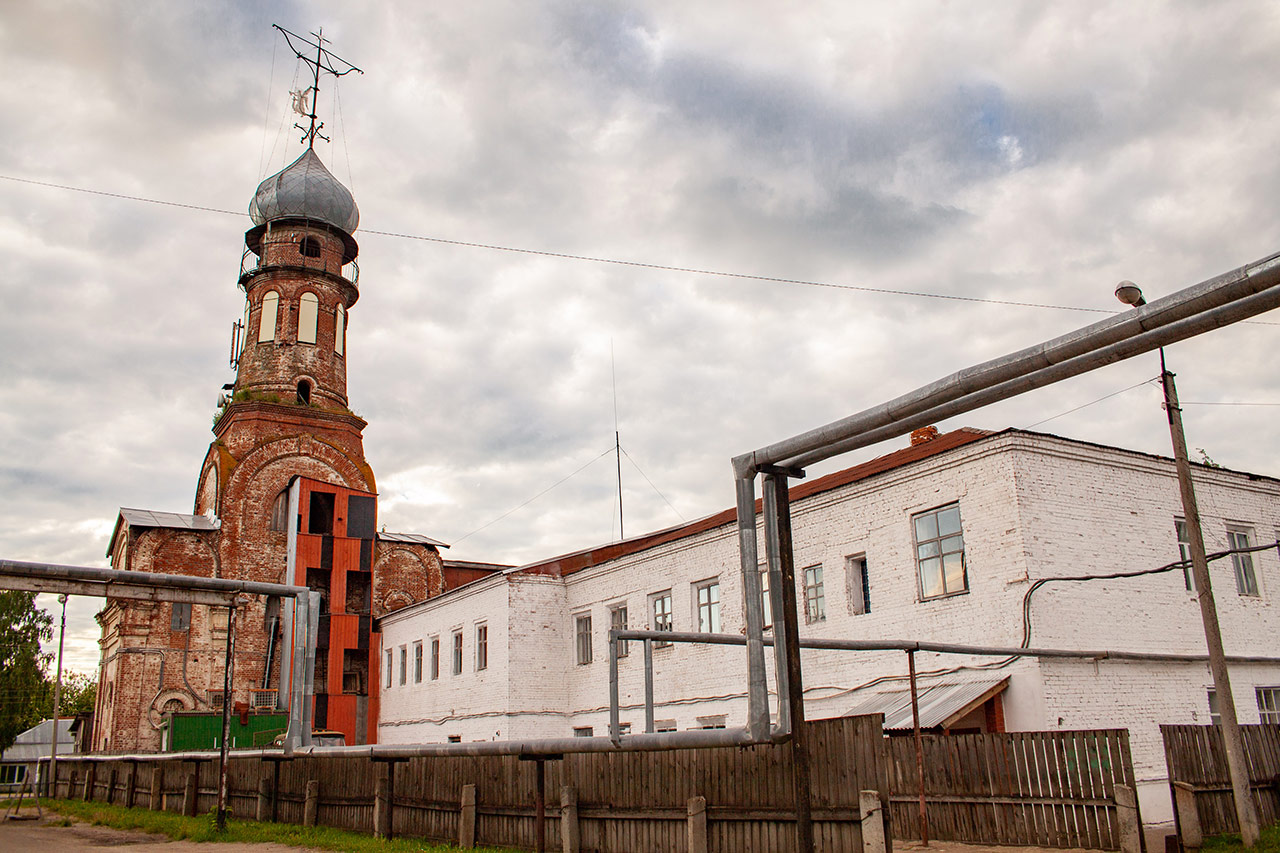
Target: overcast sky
1032,152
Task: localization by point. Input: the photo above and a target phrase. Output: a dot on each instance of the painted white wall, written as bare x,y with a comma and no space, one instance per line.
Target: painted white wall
1032,507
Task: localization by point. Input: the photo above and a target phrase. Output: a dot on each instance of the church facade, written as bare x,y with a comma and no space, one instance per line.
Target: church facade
284,423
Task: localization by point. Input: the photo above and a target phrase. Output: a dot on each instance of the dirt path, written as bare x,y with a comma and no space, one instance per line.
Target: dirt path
50,835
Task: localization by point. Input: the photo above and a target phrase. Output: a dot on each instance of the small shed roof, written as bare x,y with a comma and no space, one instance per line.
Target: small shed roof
411,539
34,743
942,703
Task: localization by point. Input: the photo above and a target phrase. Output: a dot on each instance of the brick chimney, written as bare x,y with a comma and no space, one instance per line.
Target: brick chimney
924,434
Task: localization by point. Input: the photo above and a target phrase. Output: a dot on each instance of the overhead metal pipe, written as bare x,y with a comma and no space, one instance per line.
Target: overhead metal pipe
940,648
1224,299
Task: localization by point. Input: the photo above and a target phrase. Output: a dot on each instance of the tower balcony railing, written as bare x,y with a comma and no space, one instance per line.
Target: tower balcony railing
250,264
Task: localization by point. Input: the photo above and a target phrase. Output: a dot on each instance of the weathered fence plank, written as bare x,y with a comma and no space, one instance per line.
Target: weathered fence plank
1198,777
1048,789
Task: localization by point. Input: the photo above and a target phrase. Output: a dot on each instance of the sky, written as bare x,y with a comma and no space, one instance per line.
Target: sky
973,154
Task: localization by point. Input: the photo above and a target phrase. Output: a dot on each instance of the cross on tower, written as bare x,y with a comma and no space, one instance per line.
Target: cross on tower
324,60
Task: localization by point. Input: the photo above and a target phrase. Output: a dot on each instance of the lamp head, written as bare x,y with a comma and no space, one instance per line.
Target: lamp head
1130,294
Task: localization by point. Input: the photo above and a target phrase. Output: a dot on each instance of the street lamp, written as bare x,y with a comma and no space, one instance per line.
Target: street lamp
1130,294
57,698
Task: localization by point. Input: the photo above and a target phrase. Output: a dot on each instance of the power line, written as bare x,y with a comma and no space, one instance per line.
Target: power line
886,291
471,244
535,497
1090,403
651,485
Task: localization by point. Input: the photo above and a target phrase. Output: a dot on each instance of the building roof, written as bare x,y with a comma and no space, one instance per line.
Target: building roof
942,704
410,539
578,560
305,189
34,743
155,518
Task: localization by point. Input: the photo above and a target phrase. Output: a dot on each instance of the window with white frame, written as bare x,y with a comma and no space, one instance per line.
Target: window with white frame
1184,548
482,647
618,622
1246,580
857,584
707,598
308,316
660,607
387,681
583,731
267,316
815,598
435,658
404,665
664,725
582,637
716,721
940,552
1268,704
457,653
1215,716
417,662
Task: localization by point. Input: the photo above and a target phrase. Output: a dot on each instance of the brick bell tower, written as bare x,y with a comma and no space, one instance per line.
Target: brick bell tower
284,495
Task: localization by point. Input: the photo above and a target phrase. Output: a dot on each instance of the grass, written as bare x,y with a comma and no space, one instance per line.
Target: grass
1269,842
201,828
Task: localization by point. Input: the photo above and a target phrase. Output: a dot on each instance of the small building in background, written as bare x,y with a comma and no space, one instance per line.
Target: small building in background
20,762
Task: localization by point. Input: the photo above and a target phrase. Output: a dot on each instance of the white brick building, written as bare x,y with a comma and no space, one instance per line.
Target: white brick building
524,653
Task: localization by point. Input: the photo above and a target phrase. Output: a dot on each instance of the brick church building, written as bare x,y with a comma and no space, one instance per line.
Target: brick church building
284,427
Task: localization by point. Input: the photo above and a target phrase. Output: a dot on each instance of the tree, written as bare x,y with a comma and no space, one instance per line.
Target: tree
24,690
78,693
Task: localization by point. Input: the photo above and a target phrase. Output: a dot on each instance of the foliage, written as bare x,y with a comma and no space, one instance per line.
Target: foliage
78,693
23,687
1206,460
202,828
1268,842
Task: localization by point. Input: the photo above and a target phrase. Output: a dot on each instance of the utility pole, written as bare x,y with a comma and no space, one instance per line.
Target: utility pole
1237,767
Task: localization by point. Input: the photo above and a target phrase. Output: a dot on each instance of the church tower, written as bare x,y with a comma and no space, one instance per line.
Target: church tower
284,495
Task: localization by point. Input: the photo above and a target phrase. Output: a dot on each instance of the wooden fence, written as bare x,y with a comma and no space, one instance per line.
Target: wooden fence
1201,787
1044,789
741,798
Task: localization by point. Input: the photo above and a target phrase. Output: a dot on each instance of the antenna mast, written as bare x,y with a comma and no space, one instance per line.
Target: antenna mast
617,441
324,60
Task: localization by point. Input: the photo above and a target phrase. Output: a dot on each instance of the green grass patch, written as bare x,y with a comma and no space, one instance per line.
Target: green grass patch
202,828
1268,842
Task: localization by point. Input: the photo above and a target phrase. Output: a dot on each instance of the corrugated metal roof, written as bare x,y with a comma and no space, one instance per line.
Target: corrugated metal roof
939,702
182,521
34,743
412,539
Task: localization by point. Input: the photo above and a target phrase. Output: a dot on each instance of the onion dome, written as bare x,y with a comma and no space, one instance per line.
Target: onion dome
305,189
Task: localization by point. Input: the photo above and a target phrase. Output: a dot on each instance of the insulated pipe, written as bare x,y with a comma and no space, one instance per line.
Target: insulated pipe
1145,342
109,577
1235,285
757,685
940,648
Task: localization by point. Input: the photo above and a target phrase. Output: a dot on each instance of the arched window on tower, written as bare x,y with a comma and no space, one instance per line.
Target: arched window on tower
267,317
280,512
308,315
339,329
309,247
304,393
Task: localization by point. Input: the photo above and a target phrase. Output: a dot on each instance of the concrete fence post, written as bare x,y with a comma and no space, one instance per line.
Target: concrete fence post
111,786
263,810
1184,803
311,805
872,815
570,839
467,818
697,824
157,788
190,791
1127,818
382,804
131,785
88,782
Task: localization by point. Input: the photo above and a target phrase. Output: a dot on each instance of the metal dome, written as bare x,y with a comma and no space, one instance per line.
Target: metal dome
305,189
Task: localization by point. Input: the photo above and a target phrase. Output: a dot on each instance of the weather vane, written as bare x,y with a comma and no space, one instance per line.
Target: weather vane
304,100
